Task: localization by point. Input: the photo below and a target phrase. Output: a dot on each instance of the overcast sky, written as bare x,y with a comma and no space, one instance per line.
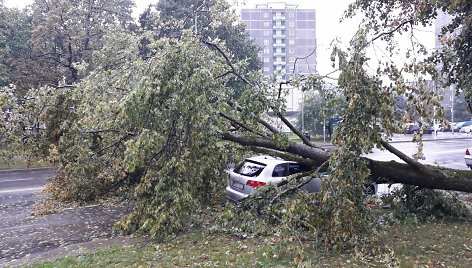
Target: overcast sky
328,26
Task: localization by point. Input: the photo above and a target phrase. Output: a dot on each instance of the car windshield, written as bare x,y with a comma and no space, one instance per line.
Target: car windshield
249,168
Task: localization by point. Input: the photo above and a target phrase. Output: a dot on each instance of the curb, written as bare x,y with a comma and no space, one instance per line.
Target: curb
405,141
26,169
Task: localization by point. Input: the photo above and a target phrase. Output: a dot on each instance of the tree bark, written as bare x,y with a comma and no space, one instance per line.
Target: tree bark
428,176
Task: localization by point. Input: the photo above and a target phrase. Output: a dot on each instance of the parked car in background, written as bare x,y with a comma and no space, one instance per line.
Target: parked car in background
412,128
258,171
459,125
468,157
466,129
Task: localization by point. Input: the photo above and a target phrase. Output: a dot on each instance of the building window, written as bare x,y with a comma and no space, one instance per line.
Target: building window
266,32
266,59
266,51
282,41
291,33
282,23
283,58
291,14
266,69
291,50
282,32
274,41
291,24
292,59
266,42
265,15
282,50
291,42
274,32
266,24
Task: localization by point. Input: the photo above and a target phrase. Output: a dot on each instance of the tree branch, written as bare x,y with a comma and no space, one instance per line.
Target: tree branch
308,177
266,124
391,31
228,61
401,155
241,124
296,131
285,156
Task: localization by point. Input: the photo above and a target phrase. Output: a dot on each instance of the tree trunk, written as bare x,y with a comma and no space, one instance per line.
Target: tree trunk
427,176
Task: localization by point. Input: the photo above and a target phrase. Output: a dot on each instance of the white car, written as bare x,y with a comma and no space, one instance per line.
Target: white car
262,170
466,129
468,157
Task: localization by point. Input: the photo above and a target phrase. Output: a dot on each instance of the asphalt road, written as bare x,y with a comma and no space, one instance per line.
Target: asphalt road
443,150
23,236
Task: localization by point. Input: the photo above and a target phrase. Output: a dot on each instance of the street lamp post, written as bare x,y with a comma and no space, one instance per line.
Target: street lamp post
453,92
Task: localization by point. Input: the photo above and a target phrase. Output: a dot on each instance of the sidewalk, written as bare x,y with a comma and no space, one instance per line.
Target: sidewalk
398,138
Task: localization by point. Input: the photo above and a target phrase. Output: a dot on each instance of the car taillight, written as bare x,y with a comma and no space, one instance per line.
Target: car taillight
467,152
255,184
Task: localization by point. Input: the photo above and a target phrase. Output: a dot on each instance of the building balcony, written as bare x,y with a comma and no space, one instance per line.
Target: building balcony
278,35
280,63
275,27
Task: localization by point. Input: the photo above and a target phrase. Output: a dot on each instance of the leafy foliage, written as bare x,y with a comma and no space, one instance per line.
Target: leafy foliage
146,115
210,20
411,203
65,33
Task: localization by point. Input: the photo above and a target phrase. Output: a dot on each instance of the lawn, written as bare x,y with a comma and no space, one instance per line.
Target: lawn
439,244
22,164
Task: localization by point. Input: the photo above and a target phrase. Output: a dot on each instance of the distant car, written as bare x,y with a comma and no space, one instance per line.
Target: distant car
468,157
258,171
466,129
412,128
458,126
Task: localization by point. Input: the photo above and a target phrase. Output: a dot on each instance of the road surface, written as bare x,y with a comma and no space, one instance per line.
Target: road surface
446,150
22,235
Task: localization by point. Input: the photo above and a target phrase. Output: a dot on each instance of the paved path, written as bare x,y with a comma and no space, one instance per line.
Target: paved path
23,236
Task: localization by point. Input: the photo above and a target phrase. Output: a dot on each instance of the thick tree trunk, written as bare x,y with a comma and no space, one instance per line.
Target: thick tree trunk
427,176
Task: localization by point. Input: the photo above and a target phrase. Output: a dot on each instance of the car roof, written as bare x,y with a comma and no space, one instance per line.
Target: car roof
267,159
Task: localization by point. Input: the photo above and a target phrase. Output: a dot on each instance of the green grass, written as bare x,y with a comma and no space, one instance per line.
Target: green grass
428,245
22,164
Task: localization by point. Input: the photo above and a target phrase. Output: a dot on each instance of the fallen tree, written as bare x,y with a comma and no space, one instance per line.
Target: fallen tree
424,176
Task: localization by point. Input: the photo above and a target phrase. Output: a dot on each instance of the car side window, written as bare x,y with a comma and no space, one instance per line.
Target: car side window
294,168
281,170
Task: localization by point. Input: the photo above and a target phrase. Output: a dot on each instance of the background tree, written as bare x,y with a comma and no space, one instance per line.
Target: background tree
319,107
66,33
17,66
210,19
461,109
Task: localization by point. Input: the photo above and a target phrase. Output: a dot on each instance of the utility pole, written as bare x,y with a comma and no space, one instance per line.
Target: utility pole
303,112
453,92
196,23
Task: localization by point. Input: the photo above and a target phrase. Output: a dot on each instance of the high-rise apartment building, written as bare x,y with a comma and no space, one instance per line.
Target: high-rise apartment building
287,37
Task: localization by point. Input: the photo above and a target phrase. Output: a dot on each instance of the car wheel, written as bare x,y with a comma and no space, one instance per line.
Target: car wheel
370,190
